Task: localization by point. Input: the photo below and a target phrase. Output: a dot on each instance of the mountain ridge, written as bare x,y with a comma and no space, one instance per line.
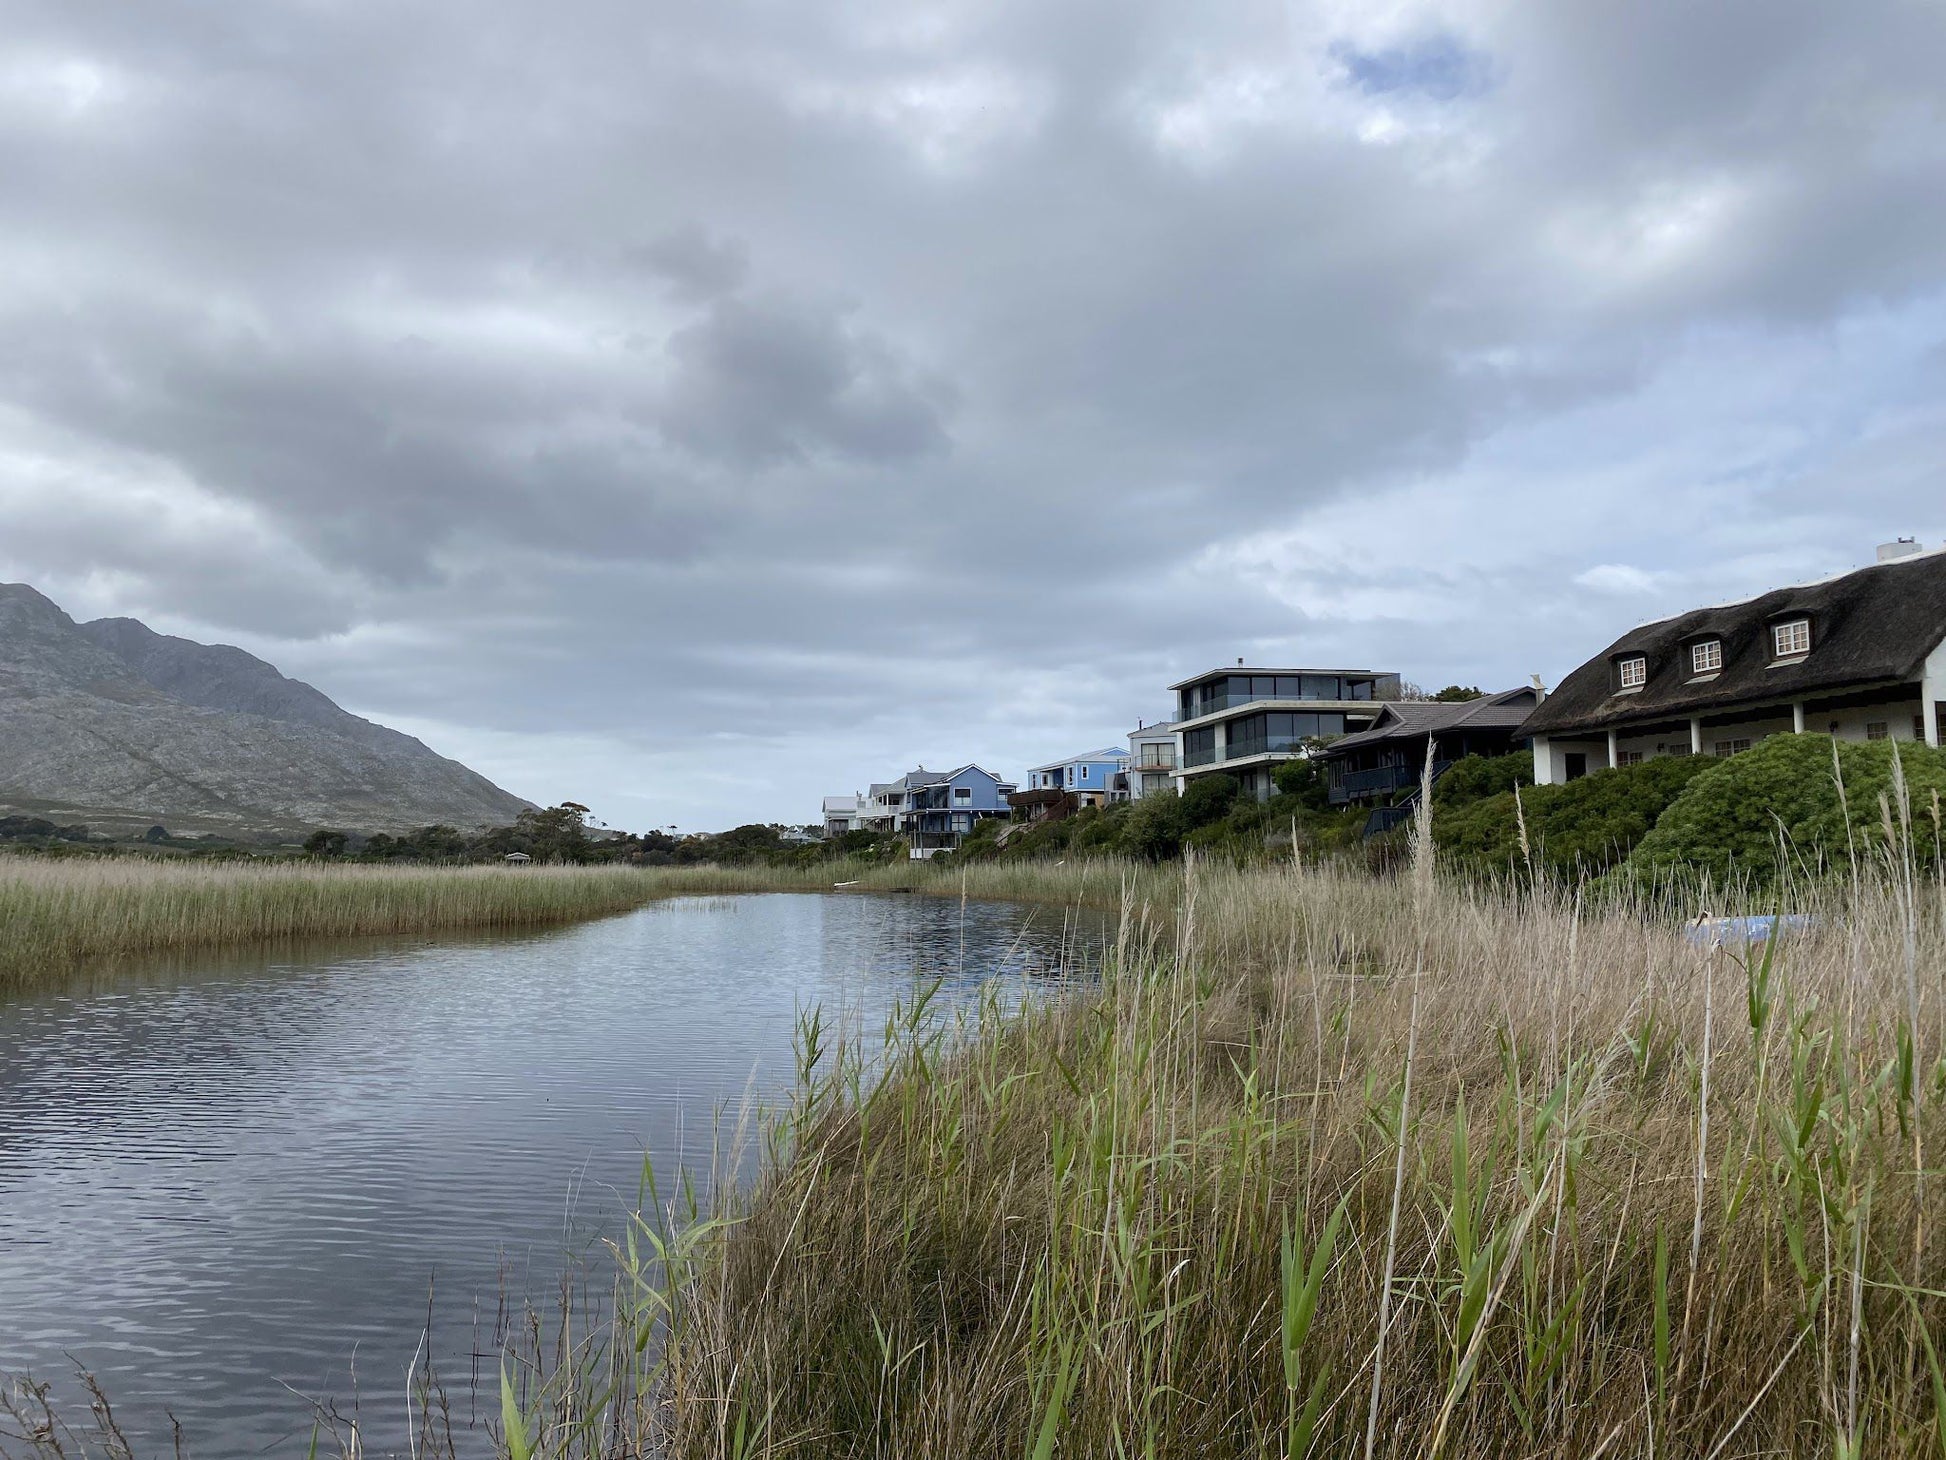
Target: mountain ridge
110,721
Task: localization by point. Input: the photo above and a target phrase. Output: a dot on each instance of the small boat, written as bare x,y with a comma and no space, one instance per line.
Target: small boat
1708,932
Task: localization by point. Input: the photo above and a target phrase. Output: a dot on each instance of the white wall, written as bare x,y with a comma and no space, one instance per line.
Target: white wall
1851,723
1932,689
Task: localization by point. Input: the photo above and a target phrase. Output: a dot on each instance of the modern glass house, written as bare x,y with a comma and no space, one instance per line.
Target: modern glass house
1246,721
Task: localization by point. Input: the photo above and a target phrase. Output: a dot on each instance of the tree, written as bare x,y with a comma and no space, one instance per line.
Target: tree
322,843
1454,693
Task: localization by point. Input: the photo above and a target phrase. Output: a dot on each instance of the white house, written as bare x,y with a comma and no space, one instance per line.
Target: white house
1245,722
842,814
1861,656
1151,758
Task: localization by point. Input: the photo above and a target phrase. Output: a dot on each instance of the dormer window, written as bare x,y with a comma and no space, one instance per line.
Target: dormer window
1706,657
1790,639
1633,671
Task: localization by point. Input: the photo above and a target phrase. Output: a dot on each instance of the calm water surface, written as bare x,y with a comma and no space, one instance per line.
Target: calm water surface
229,1189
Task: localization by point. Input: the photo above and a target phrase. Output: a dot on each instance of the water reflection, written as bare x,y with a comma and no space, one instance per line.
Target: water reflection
227,1178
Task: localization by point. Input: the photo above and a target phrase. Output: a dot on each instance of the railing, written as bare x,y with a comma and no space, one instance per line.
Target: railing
1353,785
1385,818
1199,757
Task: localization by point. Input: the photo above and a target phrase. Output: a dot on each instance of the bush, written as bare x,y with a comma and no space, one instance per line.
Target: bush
1476,777
1583,827
1782,794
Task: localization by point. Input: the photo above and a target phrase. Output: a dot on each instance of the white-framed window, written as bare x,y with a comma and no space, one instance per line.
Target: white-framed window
962,793
1727,748
1634,671
1877,730
1706,657
1628,757
1791,639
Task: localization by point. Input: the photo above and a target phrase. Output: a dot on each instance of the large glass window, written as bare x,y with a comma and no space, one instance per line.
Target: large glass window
1321,687
1277,731
1199,746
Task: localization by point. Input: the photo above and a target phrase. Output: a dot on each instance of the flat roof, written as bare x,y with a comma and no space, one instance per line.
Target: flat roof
1265,669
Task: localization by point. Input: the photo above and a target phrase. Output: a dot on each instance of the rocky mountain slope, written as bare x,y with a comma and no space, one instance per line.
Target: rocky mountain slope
111,723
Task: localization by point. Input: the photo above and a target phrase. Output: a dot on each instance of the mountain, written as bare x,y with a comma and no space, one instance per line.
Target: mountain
114,724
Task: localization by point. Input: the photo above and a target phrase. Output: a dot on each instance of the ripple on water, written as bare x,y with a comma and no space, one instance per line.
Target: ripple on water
236,1175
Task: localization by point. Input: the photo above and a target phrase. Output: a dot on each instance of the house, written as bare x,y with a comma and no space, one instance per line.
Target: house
941,808
1369,767
1859,656
1151,758
842,814
1090,776
1245,722
881,807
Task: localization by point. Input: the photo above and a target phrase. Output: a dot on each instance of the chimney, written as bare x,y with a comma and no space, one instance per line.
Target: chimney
1903,547
1239,664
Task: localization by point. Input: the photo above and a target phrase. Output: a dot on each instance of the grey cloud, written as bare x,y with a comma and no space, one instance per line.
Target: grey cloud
864,377
695,262
767,381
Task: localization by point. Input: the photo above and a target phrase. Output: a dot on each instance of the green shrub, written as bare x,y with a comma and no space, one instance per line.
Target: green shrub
1583,827
1476,777
1782,795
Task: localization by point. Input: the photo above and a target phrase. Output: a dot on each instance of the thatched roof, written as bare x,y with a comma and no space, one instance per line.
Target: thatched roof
1873,625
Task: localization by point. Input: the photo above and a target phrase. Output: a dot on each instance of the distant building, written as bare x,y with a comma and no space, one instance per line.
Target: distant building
1861,656
941,808
1370,767
842,814
1151,759
1245,722
516,859
1090,777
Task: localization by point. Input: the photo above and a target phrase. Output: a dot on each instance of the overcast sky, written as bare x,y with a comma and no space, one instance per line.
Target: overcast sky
696,408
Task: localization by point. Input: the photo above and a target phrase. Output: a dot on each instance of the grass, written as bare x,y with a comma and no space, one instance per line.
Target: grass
1343,1167
56,916
1327,1165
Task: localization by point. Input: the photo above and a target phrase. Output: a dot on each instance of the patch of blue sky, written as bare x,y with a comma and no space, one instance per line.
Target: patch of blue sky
1439,67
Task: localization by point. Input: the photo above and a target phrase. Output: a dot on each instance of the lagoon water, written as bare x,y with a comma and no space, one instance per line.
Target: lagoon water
240,1186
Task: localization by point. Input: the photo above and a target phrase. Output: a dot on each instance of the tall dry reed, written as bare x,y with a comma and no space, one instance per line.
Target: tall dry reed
1652,1199
57,916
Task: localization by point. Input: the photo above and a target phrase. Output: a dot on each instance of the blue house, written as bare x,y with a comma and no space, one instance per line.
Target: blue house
1094,777
942,807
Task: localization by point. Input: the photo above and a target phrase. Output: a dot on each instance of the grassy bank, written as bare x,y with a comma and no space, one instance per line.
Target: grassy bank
57,916
1348,1167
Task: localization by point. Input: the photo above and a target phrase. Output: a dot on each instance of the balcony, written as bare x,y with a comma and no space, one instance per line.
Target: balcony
1349,786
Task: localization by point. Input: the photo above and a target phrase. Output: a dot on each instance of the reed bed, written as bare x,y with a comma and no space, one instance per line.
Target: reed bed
1336,1167
62,915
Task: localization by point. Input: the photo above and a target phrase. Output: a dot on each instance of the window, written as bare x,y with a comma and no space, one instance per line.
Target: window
1706,657
1727,748
1628,757
1791,639
1877,730
1199,746
1634,671
962,793
1918,727
1679,750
